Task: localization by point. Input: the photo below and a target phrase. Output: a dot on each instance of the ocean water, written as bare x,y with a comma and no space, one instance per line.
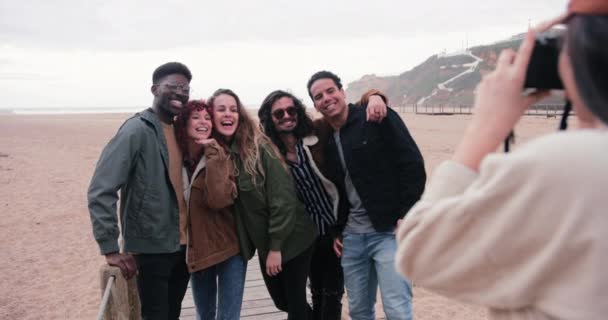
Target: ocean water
50,111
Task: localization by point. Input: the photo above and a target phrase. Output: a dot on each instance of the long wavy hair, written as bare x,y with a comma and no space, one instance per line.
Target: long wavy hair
181,128
248,138
304,125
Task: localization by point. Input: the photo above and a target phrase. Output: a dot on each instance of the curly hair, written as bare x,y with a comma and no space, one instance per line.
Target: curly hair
181,127
304,125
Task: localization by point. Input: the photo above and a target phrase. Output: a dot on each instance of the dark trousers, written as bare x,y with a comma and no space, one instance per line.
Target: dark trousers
326,280
288,288
162,281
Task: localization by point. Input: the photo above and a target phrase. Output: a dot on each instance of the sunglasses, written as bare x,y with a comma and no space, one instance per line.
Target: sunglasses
280,113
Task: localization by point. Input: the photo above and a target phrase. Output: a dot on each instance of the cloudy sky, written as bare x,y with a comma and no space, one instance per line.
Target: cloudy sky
101,53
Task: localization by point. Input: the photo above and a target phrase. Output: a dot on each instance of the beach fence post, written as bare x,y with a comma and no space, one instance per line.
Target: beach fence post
120,299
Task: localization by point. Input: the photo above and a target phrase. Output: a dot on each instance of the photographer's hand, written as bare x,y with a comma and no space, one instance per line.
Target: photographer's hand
499,104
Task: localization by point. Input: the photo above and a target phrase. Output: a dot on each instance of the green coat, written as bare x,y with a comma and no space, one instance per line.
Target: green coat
269,215
136,162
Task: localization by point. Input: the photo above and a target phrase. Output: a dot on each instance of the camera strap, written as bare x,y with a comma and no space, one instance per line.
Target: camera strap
510,139
563,125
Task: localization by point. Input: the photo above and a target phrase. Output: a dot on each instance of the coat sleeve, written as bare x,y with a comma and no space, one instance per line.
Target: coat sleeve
373,92
486,238
220,183
111,174
408,161
280,197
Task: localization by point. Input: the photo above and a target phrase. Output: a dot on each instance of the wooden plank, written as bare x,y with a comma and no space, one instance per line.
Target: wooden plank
267,316
257,303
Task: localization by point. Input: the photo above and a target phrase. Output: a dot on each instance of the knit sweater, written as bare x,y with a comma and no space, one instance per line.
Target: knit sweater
524,237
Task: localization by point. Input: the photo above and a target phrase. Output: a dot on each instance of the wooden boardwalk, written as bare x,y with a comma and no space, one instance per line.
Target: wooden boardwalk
257,303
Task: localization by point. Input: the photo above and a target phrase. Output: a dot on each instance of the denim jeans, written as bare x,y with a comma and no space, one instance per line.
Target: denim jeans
368,260
218,290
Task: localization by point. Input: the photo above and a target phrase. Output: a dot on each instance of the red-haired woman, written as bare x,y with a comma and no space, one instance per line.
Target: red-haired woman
213,253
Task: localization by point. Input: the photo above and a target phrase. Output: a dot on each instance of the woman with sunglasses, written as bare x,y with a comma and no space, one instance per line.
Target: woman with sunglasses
269,216
524,233
217,269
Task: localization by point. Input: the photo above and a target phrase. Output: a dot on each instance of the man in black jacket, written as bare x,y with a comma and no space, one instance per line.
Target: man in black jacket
379,172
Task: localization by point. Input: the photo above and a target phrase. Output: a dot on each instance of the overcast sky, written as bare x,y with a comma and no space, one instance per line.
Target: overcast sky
98,53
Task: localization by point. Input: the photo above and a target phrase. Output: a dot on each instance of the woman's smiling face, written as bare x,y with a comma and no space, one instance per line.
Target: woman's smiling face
225,115
199,125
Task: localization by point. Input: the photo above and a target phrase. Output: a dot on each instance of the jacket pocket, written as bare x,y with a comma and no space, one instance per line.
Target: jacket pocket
133,208
156,214
366,151
250,195
148,216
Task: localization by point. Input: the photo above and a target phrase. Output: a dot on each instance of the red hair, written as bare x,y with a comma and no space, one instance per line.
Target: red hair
181,126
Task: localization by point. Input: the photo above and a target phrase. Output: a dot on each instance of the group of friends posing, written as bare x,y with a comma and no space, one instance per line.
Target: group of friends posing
203,186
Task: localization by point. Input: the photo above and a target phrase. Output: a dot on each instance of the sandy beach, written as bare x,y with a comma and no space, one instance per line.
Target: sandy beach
49,260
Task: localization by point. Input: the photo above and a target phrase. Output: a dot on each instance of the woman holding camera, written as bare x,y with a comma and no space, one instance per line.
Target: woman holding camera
524,233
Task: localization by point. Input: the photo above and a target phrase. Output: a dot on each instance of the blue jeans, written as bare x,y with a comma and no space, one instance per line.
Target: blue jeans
368,260
220,288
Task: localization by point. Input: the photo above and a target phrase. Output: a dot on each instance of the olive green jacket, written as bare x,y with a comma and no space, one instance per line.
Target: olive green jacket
269,215
136,162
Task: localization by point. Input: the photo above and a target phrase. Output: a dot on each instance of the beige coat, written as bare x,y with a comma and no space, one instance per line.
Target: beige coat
526,237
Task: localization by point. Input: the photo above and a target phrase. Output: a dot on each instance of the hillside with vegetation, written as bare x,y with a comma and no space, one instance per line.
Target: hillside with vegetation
443,79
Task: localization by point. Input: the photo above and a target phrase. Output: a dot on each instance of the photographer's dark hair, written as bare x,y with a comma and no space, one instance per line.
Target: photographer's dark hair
170,68
323,75
304,125
586,44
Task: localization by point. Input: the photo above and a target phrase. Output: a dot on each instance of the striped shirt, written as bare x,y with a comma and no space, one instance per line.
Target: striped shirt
311,191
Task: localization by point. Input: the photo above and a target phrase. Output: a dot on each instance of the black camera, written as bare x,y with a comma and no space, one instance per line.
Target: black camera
542,71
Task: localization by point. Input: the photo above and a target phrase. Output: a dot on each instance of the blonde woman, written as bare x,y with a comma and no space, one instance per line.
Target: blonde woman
269,216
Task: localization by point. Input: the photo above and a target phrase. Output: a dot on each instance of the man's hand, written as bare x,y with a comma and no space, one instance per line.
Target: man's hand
125,262
376,109
273,263
338,247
